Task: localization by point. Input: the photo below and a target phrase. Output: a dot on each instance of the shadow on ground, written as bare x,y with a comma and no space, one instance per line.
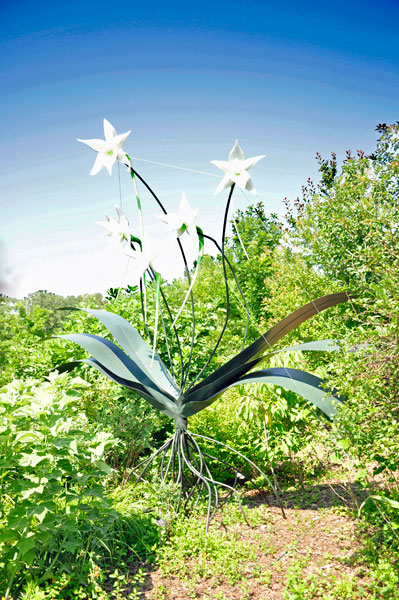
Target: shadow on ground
313,497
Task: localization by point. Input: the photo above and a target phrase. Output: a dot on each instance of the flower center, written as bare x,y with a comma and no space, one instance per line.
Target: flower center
238,174
109,152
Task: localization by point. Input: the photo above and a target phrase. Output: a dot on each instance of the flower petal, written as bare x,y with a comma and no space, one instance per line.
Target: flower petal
120,139
241,179
236,152
186,212
173,221
108,161
250,162
97,145
156,264
250,188
226,181
106,225
223,165
109,131
98,164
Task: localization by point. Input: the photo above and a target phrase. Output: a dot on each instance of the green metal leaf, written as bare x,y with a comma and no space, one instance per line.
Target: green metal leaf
273,335
302,383
135,347
117,363
106,353
161,402
203,393
316,346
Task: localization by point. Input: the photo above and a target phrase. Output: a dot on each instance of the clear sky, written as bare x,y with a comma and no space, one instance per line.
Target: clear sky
287,79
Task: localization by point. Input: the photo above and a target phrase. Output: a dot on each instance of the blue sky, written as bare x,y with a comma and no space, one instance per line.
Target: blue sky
187,79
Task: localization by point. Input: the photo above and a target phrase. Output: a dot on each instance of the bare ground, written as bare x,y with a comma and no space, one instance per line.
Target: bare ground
317,535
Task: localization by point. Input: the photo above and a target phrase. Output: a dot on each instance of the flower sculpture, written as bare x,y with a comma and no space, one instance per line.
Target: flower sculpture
135,365
109,150
236,170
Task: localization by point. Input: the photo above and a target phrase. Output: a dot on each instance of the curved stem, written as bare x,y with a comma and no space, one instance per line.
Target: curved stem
153,194
237,473
249,462
176,335
198,479
167,343
152,275
157,289
181,469
202,479
210,478
161,206
215,483
208,237
185,375
227,291
230,466
143,310
163,476
150,460
132,174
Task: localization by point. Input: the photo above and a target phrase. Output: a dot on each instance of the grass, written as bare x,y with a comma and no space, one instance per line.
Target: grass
321,551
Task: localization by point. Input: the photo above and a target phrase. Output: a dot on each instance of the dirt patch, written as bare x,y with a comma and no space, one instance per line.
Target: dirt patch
316,536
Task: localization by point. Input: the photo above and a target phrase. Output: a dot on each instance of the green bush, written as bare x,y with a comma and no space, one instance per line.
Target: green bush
54,510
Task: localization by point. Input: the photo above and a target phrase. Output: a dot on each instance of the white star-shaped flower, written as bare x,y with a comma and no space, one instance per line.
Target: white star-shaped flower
236,170
117,229
182,221
109,150
147,257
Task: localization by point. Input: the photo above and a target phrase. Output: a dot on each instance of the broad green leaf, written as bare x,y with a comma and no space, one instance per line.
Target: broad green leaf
26,544
273,335
393,503
316,346
32,460
204,392
71,545
134,345
40,512
116,364
302,383
100,464
33,490
28,436
161,402
106,353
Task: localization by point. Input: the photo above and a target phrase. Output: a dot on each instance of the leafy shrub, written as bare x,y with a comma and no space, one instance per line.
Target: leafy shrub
54,510
271,426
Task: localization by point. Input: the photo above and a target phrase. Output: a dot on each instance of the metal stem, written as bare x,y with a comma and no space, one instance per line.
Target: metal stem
249,462
226,287
208,237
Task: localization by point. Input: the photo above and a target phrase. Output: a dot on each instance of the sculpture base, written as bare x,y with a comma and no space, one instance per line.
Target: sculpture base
181,461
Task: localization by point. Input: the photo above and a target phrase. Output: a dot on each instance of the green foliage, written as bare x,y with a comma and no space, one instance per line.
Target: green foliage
260,236
272,426
348,224
25,326
380,583
70,526
54,509
217,556
128,417
346,230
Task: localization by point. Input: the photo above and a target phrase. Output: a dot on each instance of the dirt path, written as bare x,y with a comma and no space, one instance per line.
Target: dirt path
263,561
